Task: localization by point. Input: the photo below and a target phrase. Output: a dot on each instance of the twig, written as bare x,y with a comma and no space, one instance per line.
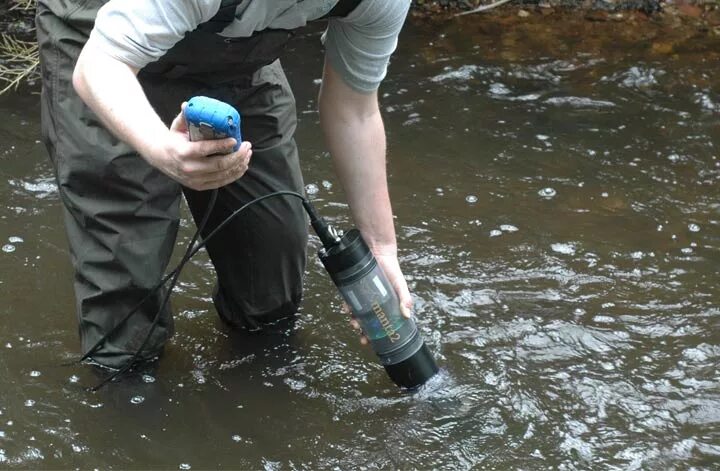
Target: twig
484,8
22,4
18,61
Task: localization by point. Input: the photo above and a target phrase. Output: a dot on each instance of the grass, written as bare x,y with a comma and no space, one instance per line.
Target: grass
18,58
23,4
18,62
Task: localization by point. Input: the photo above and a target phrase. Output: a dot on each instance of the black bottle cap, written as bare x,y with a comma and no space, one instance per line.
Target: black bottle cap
415,371
347,258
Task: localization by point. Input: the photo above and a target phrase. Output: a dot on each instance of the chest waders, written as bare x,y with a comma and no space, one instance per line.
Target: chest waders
122,215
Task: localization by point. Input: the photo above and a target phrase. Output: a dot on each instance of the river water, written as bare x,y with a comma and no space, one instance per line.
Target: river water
556,186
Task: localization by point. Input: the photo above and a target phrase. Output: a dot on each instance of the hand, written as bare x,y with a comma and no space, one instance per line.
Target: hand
388,261
202,165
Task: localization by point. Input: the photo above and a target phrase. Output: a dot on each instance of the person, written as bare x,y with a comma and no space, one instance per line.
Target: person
115,74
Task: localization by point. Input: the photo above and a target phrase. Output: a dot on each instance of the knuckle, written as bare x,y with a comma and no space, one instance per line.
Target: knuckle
185,167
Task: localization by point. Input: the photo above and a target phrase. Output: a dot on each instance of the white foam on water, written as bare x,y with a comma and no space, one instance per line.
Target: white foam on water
579,102
565,249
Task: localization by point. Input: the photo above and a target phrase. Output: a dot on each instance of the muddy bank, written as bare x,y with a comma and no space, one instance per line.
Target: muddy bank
645,6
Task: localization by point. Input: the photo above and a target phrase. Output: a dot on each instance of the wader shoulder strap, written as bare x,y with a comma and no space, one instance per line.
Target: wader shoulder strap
343,8
226,13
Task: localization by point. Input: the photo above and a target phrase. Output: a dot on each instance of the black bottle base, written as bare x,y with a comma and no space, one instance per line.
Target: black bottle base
415,371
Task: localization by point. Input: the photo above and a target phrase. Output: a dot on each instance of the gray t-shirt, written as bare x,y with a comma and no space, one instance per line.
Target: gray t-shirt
359,46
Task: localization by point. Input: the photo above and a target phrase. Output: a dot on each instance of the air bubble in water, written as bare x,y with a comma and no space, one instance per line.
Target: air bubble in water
547,193
35,374
137,400
693,228
471,199
326,184
74,379
8,248
148,379
311,189
236,438
184,466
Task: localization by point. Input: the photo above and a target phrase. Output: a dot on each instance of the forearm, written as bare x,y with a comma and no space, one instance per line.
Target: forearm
110,88
356,141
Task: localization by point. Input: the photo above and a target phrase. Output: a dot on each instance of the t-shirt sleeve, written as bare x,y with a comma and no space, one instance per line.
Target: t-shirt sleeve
138,32
359,46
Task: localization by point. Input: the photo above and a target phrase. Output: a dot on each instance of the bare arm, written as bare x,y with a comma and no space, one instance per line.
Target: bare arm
110,88
355,136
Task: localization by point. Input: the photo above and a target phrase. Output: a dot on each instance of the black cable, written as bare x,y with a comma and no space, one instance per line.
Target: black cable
191,250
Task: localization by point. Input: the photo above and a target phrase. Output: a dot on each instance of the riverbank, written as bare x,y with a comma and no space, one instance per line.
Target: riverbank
671,26
645,6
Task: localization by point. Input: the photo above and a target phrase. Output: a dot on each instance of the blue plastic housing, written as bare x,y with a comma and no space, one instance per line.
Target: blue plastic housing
208,118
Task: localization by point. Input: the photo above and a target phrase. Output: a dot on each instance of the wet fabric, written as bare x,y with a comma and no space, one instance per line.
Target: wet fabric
122,215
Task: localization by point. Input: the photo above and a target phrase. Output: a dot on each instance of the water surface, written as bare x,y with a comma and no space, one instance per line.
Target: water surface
557,202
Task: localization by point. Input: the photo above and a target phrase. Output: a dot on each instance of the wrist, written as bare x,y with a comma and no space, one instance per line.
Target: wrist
387,249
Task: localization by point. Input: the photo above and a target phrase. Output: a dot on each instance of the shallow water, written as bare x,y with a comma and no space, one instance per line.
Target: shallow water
558,213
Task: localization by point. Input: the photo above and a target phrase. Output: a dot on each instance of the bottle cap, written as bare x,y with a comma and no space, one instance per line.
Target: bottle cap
415,371
349,259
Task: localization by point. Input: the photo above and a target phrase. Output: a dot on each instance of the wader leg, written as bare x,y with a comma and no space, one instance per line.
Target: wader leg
260,257
121,215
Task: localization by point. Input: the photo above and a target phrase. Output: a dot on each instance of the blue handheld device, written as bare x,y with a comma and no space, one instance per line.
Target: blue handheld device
208,118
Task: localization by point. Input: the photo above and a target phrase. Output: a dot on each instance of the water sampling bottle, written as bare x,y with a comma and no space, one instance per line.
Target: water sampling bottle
395,339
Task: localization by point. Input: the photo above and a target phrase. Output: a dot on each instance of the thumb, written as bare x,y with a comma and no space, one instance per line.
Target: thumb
403,293
179,124
406,304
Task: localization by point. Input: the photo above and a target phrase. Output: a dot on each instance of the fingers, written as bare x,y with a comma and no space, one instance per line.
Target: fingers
355,324
213,147
214,171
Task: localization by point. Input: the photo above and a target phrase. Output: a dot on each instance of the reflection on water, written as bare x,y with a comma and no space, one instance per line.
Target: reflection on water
558,212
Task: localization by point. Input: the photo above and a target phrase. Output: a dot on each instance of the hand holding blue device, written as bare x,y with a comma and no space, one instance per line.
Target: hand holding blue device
208,118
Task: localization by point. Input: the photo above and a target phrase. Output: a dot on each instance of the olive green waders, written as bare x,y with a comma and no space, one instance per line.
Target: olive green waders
121,214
